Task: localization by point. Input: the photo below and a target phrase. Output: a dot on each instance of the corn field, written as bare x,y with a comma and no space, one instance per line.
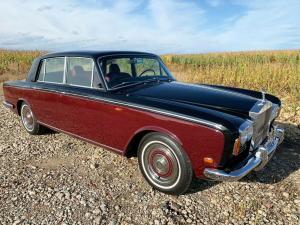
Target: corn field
16,64
277,72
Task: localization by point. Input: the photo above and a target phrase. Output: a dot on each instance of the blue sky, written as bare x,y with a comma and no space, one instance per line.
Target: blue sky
159,26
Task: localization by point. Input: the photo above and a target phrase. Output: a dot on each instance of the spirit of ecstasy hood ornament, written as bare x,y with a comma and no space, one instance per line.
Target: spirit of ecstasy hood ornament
263,94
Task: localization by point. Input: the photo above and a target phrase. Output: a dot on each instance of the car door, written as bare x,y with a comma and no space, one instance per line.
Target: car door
84,116
47,104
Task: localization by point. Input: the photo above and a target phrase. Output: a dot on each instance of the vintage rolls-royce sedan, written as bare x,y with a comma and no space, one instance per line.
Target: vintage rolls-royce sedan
130,103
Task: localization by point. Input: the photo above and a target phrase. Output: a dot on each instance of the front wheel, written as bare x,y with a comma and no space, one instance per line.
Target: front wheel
29,121
164,164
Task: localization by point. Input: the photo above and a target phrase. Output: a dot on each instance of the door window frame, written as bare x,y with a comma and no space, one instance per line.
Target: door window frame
94,66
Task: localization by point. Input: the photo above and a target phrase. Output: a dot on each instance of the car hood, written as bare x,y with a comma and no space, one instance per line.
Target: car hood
228,101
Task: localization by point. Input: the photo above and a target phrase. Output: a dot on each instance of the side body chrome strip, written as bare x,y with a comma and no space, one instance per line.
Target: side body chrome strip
137,106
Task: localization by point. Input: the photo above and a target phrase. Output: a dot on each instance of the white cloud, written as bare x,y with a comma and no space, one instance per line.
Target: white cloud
157,26
266,25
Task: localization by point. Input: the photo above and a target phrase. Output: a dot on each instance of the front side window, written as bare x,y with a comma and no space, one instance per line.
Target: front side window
119,70
79,71
54,71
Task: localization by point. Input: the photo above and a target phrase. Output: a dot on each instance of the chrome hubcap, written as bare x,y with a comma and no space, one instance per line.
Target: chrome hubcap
160,164
27,117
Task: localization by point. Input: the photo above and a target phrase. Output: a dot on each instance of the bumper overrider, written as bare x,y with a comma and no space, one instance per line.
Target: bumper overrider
261,157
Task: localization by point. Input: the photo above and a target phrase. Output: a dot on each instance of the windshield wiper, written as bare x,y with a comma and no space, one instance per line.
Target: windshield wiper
157,79
126,83
132,83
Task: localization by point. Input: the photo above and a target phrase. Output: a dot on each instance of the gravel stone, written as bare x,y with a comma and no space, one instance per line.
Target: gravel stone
103,207
285,194
56,179
96,211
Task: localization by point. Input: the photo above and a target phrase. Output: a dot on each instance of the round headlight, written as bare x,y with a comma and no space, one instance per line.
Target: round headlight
246,131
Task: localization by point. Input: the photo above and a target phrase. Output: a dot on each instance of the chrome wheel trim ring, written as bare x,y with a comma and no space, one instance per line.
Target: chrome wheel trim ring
160,165
27,117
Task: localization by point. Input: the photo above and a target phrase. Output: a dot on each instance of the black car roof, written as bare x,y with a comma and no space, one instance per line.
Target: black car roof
94,54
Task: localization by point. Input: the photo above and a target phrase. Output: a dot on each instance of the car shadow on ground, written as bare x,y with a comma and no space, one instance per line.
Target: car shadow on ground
285,161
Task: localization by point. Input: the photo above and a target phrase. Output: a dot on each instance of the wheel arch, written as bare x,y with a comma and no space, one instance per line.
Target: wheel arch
134,141
19,104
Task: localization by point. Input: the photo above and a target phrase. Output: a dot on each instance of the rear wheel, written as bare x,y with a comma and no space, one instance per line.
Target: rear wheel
164,164
28,120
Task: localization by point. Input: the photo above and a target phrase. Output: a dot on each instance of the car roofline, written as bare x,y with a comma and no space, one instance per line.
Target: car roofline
92,54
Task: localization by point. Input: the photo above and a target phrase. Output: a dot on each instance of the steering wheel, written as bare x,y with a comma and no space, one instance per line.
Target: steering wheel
147,70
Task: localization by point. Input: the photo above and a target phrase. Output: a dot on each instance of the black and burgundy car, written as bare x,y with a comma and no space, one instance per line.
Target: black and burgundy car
130,103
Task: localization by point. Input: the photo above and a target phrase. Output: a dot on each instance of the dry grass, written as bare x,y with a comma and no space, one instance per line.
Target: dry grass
16,64
277,72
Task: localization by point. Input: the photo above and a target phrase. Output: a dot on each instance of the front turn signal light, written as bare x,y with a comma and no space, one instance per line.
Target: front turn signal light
208,161
237,147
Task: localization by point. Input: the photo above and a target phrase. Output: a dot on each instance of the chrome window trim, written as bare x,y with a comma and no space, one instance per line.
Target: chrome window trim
39,71
65,69
75,85
66,58
66,85
49,82
45,60
140,54
137,106
92,78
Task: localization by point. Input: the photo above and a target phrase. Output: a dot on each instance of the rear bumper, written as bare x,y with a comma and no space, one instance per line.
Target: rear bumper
8,105
262,156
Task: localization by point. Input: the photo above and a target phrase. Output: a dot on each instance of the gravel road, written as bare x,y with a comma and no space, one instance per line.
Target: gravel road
56,179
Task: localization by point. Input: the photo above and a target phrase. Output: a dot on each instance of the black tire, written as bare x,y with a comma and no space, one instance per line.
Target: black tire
164,164
29,121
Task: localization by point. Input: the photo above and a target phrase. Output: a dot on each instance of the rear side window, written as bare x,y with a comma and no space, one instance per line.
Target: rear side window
54,71
41,74
79,71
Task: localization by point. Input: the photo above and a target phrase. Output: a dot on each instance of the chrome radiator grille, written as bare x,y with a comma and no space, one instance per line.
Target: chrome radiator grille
262,121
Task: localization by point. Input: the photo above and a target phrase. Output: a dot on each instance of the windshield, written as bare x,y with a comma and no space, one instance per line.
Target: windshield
121,71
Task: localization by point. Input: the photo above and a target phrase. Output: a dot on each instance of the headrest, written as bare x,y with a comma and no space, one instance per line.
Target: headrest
114,68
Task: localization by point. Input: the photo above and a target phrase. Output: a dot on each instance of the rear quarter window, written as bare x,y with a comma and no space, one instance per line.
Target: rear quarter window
54,71
41,73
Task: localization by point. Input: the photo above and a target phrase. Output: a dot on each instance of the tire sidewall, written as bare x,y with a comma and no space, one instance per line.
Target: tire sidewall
35,129
184,164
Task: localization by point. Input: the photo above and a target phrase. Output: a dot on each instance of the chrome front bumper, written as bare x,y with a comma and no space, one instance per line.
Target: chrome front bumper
262,156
